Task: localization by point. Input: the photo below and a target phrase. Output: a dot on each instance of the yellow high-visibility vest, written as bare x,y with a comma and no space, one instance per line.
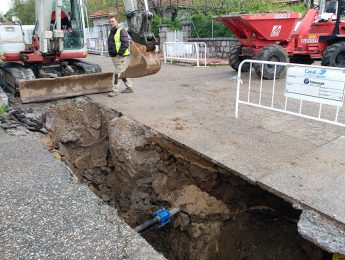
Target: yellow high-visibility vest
118,41
337,256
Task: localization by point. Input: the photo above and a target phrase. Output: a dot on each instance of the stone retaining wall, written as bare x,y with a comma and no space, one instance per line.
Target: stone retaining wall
216,47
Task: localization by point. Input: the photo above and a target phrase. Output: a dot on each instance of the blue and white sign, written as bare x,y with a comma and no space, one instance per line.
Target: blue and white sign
321,85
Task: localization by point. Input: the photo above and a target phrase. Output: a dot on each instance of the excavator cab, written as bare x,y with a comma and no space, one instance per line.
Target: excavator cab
71,25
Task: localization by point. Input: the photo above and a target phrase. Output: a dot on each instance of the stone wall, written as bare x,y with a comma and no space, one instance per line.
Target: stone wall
216,47
164,29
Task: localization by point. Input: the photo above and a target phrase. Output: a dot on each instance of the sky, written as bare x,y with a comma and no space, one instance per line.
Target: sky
4,6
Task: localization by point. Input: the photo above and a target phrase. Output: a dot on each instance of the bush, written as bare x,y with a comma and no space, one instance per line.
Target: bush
3,109
202,23
202,20
262,6
202,27
157,20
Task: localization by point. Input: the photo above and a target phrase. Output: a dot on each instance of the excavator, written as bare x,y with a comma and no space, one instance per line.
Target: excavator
49,64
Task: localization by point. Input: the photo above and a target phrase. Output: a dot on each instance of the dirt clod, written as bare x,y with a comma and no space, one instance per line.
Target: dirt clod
195,202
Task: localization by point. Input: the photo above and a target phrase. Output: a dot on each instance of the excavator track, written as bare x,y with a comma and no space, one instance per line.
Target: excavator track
12,73
87,67
23,80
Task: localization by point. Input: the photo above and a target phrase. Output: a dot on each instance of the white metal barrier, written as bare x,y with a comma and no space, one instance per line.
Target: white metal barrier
97,46
97,40
313,92
189,51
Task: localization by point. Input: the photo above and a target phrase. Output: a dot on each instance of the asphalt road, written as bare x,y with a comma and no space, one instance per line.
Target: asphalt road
46,214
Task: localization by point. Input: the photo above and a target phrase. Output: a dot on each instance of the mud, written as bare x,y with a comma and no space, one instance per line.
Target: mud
139,171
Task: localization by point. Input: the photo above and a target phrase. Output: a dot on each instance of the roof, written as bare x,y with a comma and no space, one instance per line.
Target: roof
103,12
168,3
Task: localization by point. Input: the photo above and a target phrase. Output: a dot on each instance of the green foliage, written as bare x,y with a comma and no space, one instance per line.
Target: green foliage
261,6
299,8
157,20
24,10
155,24
95,5
203,10
3,109
258,6
219,7
202,27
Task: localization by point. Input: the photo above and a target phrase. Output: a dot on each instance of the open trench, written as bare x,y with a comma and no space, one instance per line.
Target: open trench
139,171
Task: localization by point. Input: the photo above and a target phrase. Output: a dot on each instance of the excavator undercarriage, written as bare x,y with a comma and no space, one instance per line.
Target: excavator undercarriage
46,82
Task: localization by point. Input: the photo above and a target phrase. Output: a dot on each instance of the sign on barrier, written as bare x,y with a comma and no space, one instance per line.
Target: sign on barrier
306,92
324,86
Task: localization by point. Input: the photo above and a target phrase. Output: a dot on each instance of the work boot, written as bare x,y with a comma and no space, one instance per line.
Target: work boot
127,90
114,91
112,94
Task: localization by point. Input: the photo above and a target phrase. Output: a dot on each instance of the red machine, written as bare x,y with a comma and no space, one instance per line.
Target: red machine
45,66
281,37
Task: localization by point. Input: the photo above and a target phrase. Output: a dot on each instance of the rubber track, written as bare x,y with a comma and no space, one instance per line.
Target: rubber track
88,67
17,72
20,72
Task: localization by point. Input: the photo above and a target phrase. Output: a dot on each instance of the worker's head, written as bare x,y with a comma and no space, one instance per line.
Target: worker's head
112,21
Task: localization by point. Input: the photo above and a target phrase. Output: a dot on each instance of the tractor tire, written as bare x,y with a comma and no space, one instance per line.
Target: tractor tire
271,52
235,59
334,55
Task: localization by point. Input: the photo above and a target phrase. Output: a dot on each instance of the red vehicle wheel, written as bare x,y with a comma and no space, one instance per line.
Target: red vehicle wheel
271,52
235,58
334,55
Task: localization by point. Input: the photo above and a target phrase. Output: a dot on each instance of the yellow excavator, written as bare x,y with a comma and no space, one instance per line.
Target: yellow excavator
48,64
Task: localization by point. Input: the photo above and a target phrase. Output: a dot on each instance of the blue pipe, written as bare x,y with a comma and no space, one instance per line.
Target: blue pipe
161,217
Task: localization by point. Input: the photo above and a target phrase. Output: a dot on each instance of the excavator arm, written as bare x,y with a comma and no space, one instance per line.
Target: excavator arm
144,59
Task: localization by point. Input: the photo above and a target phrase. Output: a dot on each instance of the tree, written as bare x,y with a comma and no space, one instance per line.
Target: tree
219,7
203,10
24,10
96,5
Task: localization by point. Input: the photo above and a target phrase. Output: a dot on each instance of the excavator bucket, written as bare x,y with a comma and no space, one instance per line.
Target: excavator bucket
44,89
142,63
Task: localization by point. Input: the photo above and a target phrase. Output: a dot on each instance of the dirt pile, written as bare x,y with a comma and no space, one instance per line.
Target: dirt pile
140,171
195,202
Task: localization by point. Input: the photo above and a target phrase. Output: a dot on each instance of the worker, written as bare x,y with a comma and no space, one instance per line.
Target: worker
118,44
65,23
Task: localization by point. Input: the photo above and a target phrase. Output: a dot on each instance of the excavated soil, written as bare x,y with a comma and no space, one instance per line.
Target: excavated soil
140,171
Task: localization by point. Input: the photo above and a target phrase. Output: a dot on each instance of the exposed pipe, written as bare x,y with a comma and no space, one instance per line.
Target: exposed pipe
161,217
